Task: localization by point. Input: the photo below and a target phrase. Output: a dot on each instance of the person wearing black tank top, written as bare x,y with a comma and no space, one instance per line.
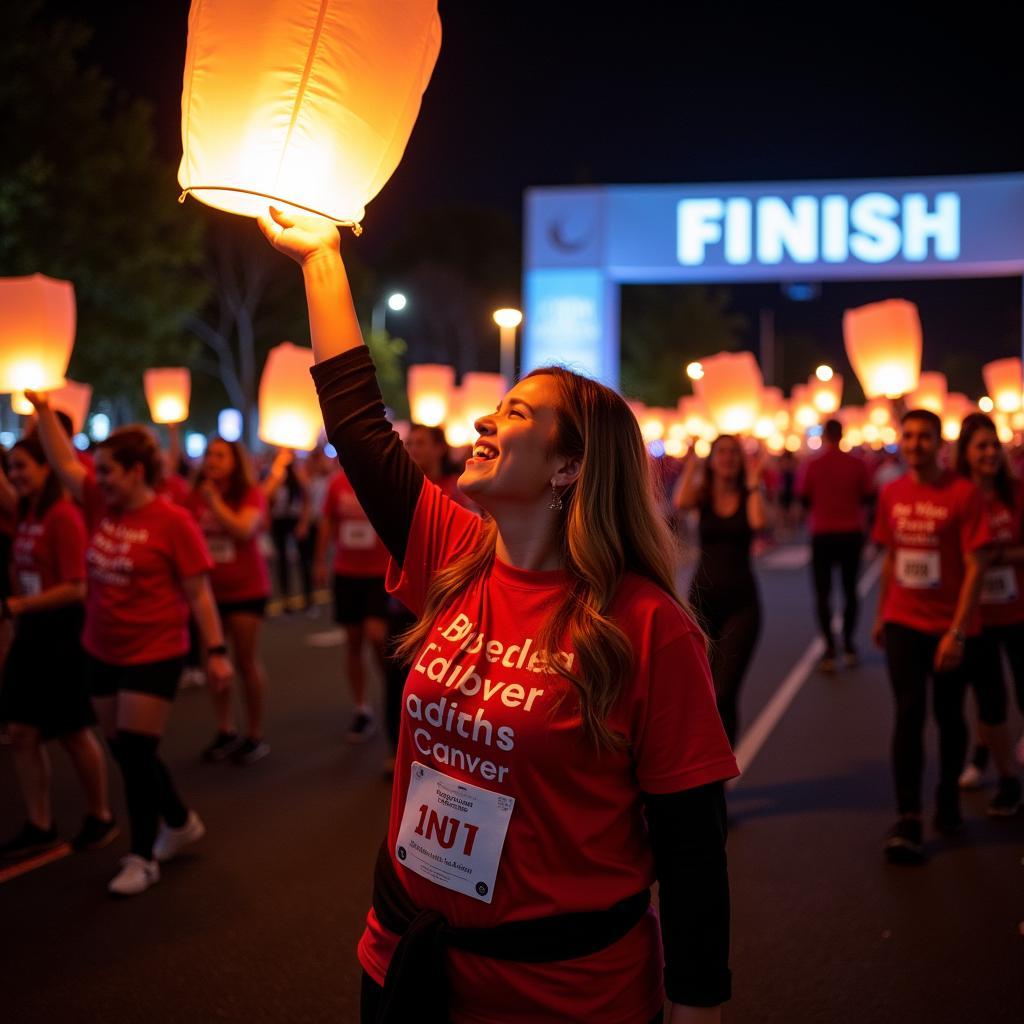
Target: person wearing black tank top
724,591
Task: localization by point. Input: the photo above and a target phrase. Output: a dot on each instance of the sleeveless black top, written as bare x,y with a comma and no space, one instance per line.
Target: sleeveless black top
725,571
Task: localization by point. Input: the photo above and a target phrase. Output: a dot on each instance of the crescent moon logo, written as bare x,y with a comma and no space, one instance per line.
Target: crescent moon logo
568,234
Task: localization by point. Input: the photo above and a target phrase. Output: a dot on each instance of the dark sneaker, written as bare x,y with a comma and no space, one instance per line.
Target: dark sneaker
95,834
362,728
948,820
30,841
851,659
827,663
1006,802
223,746
250,751
905,844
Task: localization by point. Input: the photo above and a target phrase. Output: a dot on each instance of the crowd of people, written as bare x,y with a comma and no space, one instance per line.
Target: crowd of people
539,665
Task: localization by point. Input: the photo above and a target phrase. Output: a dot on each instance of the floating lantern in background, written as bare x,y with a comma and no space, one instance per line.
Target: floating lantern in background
306,104
481,395
37,332
695,418
957,406
1003,383
883,343
767,423
289,410
853,419
879,412
930,393
802,412
168,390
730,387
430,387
74,399
826,392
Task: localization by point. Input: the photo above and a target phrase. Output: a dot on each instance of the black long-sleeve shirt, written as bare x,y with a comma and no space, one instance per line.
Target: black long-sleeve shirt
687,829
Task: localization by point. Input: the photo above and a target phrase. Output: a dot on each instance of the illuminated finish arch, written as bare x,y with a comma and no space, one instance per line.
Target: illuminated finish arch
581,244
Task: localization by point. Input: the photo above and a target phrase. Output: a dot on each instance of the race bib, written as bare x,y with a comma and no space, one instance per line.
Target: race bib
356,535
999,585
452,833
918,570
222,549
30,583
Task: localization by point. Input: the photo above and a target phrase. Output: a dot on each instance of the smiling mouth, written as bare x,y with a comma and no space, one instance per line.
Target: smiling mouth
482,452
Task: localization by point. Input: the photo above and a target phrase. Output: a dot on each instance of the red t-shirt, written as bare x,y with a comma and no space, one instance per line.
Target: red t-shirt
836,485
931,529
135,606
174,488
1002,589
49,550
358,551
239,568
481,706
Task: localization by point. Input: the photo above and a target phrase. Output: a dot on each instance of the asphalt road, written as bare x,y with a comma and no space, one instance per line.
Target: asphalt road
260,923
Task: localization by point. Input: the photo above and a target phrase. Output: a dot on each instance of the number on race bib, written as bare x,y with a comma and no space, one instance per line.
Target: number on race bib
918,569
356,535
999,585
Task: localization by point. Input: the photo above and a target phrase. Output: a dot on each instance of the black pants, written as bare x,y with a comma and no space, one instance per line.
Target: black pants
910,655
827,551
733,628
281,530
307,551
369,1002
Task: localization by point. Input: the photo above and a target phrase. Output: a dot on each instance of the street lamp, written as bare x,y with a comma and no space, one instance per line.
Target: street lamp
396,302
508,320
824,373
694,370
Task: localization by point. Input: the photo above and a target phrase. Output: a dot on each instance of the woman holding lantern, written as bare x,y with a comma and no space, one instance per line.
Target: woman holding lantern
147,566
560,748
724,592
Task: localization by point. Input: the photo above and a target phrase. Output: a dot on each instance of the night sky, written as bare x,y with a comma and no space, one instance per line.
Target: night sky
557,93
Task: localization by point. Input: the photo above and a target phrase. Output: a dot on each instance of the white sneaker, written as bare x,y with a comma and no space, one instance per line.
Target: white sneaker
192,678
169,841
136,876
972,777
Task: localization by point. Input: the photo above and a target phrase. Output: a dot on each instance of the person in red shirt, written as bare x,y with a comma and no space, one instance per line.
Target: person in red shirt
560,748
44,696
147,566
933,527
980,458
360,601
835,487
231,513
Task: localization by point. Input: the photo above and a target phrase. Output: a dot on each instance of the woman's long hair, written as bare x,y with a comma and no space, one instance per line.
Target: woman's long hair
241,480
610,526
51,491
1003,483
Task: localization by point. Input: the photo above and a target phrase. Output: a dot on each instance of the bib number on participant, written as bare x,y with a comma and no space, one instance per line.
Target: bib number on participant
918,570
357,535
31,583
452,833
222,549
999,585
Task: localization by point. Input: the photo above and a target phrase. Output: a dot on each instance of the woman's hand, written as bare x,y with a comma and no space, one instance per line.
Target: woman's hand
303,237
38,399
219,672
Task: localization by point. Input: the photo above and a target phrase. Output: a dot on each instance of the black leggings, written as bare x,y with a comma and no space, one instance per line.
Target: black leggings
282,529
369,1002
733,631
910,655
828,550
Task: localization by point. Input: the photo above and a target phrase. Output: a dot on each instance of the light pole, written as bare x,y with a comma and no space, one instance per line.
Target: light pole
396,302
508,320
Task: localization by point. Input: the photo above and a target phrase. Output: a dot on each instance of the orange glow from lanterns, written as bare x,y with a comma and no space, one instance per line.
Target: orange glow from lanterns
168,390
956,408
1003,382
731,388
430,387
37,331
930,393
883,343
289,411
826,392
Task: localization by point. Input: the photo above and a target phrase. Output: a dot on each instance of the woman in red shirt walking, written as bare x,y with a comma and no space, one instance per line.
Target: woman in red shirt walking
559,747
44,696
147,566
230,510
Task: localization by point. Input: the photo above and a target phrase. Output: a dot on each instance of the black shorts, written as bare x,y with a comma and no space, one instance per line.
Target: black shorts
253,606
357,598
44,682
155,678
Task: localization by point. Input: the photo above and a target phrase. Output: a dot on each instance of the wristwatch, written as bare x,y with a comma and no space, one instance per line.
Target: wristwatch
217,649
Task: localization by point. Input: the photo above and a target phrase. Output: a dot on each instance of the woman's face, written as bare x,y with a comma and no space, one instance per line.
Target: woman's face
425,451
984,453
218,462
26,475
513,460
726,459
118,486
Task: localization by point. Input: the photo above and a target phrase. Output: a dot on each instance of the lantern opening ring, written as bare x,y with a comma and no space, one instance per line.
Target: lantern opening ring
357,229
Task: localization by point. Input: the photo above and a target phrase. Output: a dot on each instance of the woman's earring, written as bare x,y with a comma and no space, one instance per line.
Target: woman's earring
556,499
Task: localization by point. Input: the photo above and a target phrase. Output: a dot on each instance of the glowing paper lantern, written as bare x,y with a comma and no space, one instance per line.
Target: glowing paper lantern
289,410
731,389
458,430
802,411
73,399
430,387
37,330
696,419
303,103
930,393
879,412
772,403
957,407
826,395
168,390
883,343
1003,383
481,394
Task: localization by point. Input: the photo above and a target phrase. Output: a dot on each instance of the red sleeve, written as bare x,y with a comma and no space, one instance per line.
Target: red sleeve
188,549
65,529
677,737
441,532
975,528
882,533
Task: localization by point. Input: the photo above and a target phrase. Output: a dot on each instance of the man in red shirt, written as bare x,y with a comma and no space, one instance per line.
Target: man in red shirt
933,526
834,488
